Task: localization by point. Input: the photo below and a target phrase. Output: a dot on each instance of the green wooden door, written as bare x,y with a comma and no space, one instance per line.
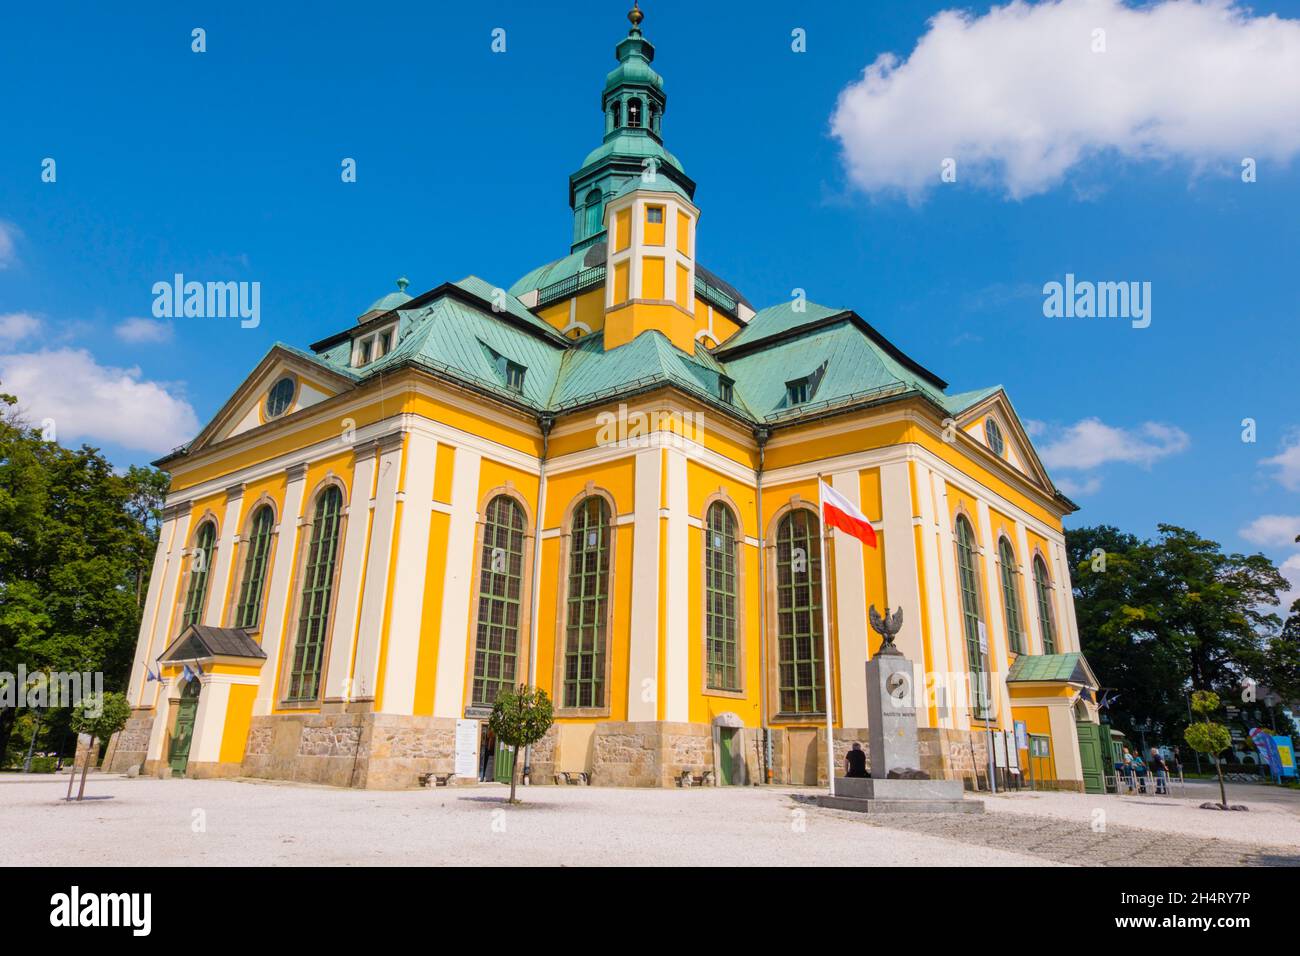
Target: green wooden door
502,763
178,755
1092,756
726,758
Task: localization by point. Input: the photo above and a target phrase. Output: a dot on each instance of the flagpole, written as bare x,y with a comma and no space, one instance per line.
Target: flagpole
826,639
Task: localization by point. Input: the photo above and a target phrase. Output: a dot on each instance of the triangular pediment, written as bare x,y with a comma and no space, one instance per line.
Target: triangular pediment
253,404
1017,448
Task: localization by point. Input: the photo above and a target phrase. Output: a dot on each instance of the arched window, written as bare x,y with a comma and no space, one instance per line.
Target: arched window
500,582
588,601
1043,588
317,592
968,575
617,113
200,565
258,549
799,613
634,113
722,649
280,397
1011,597
594,210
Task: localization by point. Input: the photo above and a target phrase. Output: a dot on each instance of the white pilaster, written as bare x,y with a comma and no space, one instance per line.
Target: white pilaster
148,620
223,560
851,612
953,635
162,635
676,670
347,606
453,634
937,662
365,675
278,598
643,651
408,588
900,558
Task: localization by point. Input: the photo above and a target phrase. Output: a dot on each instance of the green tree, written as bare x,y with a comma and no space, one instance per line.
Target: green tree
1156,617
1207,736
72,552
101,719
520,718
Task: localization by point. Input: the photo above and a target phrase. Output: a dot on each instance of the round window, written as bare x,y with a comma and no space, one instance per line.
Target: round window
994,435
279,397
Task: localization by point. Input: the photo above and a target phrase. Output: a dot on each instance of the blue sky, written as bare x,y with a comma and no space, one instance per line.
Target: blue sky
225,165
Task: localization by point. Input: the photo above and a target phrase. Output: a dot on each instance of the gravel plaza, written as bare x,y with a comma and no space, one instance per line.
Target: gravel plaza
150,822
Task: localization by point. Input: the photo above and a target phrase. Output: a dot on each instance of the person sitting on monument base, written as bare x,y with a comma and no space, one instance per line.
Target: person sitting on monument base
856,760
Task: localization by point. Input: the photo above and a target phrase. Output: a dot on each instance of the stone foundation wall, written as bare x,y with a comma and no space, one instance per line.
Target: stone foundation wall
130,745
649,753
955,755
374,751
541,763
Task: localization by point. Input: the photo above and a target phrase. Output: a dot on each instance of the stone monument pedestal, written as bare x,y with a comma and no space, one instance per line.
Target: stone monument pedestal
896,784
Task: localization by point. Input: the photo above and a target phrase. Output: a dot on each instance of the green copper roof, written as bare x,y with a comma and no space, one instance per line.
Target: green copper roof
635,144
1071,668
661,184
963,400
394,300
778,319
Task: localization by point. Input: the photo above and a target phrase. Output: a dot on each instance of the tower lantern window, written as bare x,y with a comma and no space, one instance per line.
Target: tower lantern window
634,114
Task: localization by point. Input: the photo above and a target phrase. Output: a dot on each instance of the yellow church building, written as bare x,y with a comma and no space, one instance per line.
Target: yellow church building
602,480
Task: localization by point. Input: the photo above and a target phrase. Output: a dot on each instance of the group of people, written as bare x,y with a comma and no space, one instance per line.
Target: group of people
1135,770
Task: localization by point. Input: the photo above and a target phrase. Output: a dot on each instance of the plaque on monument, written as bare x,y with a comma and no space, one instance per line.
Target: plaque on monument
891,705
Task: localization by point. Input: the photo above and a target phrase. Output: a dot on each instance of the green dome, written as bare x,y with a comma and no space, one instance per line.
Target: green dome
635,143
394,300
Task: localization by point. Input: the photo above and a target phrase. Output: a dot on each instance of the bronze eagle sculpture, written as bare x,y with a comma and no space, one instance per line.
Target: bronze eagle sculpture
888,626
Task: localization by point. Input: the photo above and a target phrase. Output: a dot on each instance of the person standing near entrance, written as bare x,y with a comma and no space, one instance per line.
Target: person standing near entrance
1128,769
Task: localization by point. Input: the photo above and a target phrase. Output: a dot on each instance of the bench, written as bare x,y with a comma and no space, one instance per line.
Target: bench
574,777
435,779
687,779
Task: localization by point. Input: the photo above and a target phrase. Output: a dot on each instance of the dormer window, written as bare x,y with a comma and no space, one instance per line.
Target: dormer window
515,376
798,391
370,348
726,390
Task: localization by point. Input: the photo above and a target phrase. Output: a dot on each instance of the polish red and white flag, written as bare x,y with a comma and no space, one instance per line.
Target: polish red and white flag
839,512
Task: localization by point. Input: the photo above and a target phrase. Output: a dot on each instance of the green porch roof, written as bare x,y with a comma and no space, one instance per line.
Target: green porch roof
1071,668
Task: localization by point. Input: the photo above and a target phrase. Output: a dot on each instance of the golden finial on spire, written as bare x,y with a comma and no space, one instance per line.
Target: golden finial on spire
635,15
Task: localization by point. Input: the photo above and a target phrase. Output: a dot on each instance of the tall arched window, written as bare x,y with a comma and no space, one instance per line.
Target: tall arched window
968,575
200,565
722,648
1011,597
634,113
594,211
500,582
249,609
1043,589
798,613
588,601
317,592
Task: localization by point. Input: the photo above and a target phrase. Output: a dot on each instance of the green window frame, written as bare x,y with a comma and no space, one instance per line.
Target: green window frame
722,649
249,609
197,591
968,576
801,683
1043,589
317,593
586,631
1011,597
500,587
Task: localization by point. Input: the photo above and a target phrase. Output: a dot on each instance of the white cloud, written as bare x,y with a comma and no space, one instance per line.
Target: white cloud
1079,489
17,326
1018,97
1275,530
97,403
139,331
1290,569
1091,443
1287,463
8,241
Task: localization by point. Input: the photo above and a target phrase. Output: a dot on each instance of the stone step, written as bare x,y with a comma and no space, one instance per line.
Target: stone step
901,806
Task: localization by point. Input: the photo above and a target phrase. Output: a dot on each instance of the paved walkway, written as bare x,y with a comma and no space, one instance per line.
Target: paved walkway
1072,843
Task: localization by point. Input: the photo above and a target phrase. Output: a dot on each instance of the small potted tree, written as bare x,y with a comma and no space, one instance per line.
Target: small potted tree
520,718
100,723
1208,737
